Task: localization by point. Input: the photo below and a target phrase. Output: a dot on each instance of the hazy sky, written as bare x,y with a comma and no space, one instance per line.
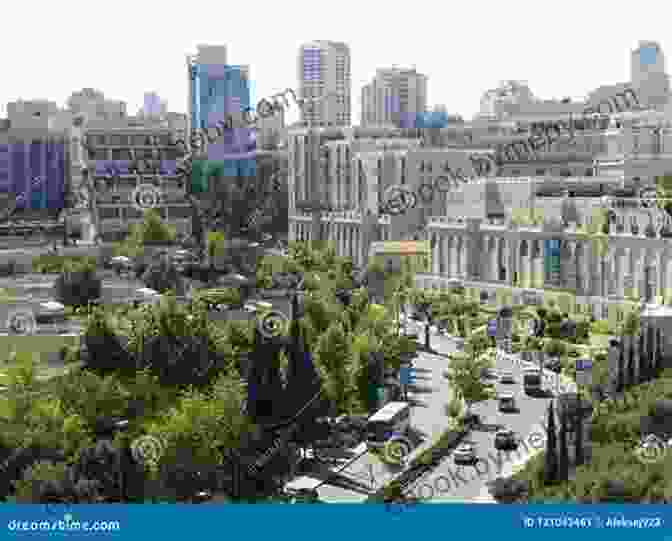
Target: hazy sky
125,48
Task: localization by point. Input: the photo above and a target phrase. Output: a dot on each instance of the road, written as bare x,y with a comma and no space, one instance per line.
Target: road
428,397
465,483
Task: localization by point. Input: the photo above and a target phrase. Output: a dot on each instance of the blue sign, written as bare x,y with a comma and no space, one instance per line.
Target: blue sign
406,375
584,364
492,327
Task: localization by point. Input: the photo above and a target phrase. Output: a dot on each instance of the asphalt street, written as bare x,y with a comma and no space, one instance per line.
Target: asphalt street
466,483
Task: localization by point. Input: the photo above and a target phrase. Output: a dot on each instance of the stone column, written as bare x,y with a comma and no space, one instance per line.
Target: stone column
512,256
358,246
459,242
452,251
484,257
436,253
525,255
538,265
465,270
444,242
619,271
583,255
494,259
667,276
638,260
571,266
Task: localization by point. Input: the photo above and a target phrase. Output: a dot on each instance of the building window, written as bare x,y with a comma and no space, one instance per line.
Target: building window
515,173
100,139
540,172
121,154
564,172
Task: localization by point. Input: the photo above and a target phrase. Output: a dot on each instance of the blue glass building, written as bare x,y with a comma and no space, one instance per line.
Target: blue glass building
35,172
217,92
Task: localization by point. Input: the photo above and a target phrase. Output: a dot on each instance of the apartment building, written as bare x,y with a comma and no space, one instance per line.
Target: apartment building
324,81
115,152
394,97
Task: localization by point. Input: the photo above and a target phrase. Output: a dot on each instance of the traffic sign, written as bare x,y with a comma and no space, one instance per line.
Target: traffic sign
584,371
406,375
492,327
584,364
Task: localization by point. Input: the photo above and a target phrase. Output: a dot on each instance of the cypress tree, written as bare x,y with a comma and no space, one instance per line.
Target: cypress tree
563,465
579,434
551,456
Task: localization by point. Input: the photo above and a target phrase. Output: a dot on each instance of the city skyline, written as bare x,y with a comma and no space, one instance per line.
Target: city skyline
456,77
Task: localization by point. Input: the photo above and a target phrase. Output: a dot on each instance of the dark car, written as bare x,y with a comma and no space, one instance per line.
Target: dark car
554,365
506,440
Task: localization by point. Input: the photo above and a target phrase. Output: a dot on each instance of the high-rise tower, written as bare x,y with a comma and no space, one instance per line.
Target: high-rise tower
324,76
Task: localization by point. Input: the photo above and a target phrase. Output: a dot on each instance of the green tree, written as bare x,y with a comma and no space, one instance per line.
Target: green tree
335,366
563,462
464,375
551,455
162,276
154,230
78,284
216,246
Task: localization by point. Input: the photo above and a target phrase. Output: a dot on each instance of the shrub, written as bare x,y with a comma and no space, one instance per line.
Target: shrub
600,327
556,348
162,276
78,288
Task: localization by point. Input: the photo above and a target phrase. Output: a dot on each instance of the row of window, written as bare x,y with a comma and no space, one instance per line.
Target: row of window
130,213
562,173
125,154
126,140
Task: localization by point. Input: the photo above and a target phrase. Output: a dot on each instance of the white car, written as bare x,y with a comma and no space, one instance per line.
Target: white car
465,454
507,377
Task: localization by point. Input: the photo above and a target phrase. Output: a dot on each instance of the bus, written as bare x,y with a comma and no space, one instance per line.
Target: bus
532,381
392,419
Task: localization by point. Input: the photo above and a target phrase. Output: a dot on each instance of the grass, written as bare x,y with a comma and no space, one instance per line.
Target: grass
41,344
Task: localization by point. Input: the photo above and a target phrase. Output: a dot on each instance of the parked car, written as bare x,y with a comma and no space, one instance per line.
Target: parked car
507,402
507,377
465,454
506,440
554,365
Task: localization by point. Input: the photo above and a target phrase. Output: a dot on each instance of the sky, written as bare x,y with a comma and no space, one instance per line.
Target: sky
126,48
